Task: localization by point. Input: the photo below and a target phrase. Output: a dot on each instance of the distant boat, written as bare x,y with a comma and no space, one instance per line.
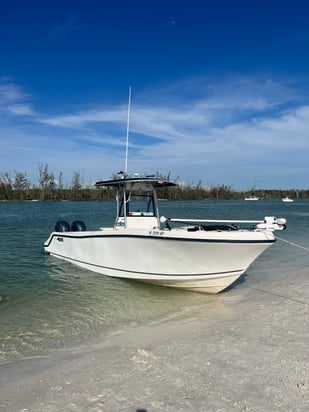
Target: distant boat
252,198
286,199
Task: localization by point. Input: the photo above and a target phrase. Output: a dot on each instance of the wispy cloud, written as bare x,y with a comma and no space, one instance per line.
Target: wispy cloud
20,109
11,93
251,126
13,100
83,118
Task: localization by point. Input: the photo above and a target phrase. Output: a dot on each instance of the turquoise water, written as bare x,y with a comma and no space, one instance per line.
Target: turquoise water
50,305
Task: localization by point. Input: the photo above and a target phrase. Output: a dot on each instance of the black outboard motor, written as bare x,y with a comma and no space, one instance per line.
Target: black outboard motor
62,226
78,226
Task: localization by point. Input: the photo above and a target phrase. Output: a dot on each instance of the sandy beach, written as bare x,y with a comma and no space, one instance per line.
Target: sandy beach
247,352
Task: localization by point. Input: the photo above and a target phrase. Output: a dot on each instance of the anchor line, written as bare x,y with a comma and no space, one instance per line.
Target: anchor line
277,295
293,244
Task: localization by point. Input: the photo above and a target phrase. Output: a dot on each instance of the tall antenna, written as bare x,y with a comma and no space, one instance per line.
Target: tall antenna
127,137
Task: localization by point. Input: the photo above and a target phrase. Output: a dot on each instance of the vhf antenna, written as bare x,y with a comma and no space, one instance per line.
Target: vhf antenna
127,137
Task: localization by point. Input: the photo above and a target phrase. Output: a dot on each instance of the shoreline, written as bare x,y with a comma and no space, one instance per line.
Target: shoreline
249,353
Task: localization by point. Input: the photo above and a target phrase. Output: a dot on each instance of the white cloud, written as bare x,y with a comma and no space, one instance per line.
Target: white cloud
13,99
20,109
83,118
10,92
236,131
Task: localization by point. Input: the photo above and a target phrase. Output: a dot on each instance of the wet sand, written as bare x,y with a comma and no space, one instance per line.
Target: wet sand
247,352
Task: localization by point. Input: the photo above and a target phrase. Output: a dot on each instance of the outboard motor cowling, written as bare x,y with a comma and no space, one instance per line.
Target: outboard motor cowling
78,226
62,226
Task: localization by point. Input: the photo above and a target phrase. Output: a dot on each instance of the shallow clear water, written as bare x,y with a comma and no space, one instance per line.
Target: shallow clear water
51,305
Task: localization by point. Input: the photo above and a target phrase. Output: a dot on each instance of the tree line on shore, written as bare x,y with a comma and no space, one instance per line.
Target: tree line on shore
19,188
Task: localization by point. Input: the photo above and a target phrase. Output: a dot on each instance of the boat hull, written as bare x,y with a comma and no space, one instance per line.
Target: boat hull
205,262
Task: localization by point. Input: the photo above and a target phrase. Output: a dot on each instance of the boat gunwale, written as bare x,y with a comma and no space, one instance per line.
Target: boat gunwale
77,235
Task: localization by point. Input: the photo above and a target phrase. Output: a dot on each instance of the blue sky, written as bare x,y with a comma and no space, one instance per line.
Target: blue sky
220,89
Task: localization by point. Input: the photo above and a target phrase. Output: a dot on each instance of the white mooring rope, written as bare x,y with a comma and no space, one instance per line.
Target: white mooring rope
293,244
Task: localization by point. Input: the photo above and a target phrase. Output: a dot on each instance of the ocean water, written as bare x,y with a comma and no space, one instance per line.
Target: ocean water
50,305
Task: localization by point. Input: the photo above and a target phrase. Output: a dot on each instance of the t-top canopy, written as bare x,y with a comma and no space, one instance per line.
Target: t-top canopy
137,182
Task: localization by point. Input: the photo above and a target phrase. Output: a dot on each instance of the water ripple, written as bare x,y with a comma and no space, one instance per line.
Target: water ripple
51,304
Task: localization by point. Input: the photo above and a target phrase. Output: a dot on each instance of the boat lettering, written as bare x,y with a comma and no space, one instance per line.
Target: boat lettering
156,233
60,239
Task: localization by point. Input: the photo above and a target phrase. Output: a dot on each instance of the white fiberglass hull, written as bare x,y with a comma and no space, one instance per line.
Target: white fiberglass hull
200,261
